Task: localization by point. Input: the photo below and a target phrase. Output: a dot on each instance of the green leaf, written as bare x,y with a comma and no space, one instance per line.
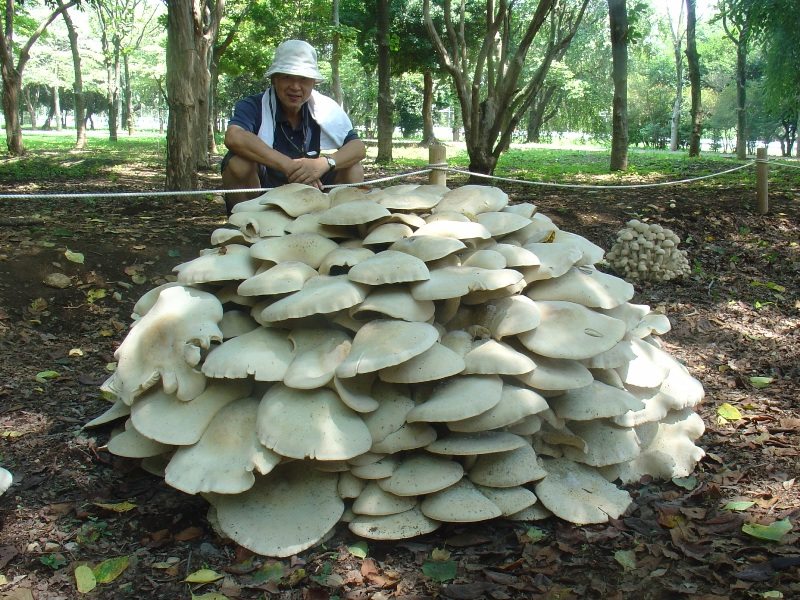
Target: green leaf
687,483
75,257
43,376
108,570
271,571
760,382
359,549
738,505
203,576
55,561
627,558
773,532
439,570
772,594
535,534
84,578
95,294
172,253
729,412
210,596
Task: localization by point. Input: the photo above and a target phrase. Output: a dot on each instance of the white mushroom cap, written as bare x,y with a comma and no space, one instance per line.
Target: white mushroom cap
509,316
584,285
649,368
459,503
457,230
509,500
6,479
340,195
409,437
515,404
349,485
263,352
256,224
502,223
420,474
526,209
375,501
317,353
227,294
339,261
383,343
473,200
422,198
387,233
437,362
132,444
393,301
117,410
670,452
310,224
595,401
166,343
616,357
387,267
394,403
570,330
283,278
681,386
295,200
490,357
308,248
507,469
224,458
164,418
472,444
310,423
579,494
535,512
356,392
236,322
606,443
376,470
541,229
591,253
322,294
427,247
526,426
454,282
284,513
517,256
226,263
556,374
554,260
357,212
408,524
458,399
148,299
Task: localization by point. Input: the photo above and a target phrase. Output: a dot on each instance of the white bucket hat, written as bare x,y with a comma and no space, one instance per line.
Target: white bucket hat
295,57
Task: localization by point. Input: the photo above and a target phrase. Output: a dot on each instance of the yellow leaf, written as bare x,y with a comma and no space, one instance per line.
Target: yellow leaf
729,412
211,596
440,554
75,352
84,578
119,507
203,576
110,569
75,257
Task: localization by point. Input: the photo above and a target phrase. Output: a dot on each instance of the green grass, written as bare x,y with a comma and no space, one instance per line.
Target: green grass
52,156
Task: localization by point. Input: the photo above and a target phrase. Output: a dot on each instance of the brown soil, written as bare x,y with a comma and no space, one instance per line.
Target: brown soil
737,316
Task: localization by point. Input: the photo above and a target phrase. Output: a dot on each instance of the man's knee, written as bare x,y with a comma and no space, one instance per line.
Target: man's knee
352,174
240,172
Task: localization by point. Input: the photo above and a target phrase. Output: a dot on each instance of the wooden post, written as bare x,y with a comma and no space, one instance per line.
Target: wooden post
762,180
437,155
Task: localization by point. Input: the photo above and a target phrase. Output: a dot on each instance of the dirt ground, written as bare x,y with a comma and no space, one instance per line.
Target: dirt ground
735,317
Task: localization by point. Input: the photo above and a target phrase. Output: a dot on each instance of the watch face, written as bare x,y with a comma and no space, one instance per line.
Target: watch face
331,163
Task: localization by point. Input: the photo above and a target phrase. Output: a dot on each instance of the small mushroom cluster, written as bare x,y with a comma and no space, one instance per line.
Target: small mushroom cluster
6,479
647,252
395,360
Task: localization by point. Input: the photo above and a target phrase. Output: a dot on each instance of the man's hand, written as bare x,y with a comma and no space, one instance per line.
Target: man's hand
307,170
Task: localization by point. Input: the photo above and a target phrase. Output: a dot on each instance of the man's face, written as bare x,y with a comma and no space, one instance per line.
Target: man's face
292,90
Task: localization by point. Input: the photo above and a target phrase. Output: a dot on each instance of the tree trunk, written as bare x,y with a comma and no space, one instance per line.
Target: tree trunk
26,95
677,42
618,23
57,107
741,96
385,124
12,90
428,137
77,86
693,64
538,114
182,58
128,121
336,55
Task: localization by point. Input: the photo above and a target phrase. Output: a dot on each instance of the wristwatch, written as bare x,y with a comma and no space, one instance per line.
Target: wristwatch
331,163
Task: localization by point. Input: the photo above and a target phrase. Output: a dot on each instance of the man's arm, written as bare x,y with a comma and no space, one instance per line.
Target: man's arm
311,170
251,147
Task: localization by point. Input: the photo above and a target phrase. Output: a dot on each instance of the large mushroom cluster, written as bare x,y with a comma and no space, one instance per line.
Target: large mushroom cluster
647,252
397,359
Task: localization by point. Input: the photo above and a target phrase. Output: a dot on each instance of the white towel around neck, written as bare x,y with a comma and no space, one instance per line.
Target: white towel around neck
333,122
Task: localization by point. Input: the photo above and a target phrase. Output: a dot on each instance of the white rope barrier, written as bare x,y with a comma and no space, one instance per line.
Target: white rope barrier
780,164
428,169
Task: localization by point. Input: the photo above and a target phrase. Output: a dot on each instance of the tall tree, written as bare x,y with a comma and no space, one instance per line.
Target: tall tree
385,123
488,82
677,33
693,64
12,65
737,20
336,55
77,85
618,24
192,25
